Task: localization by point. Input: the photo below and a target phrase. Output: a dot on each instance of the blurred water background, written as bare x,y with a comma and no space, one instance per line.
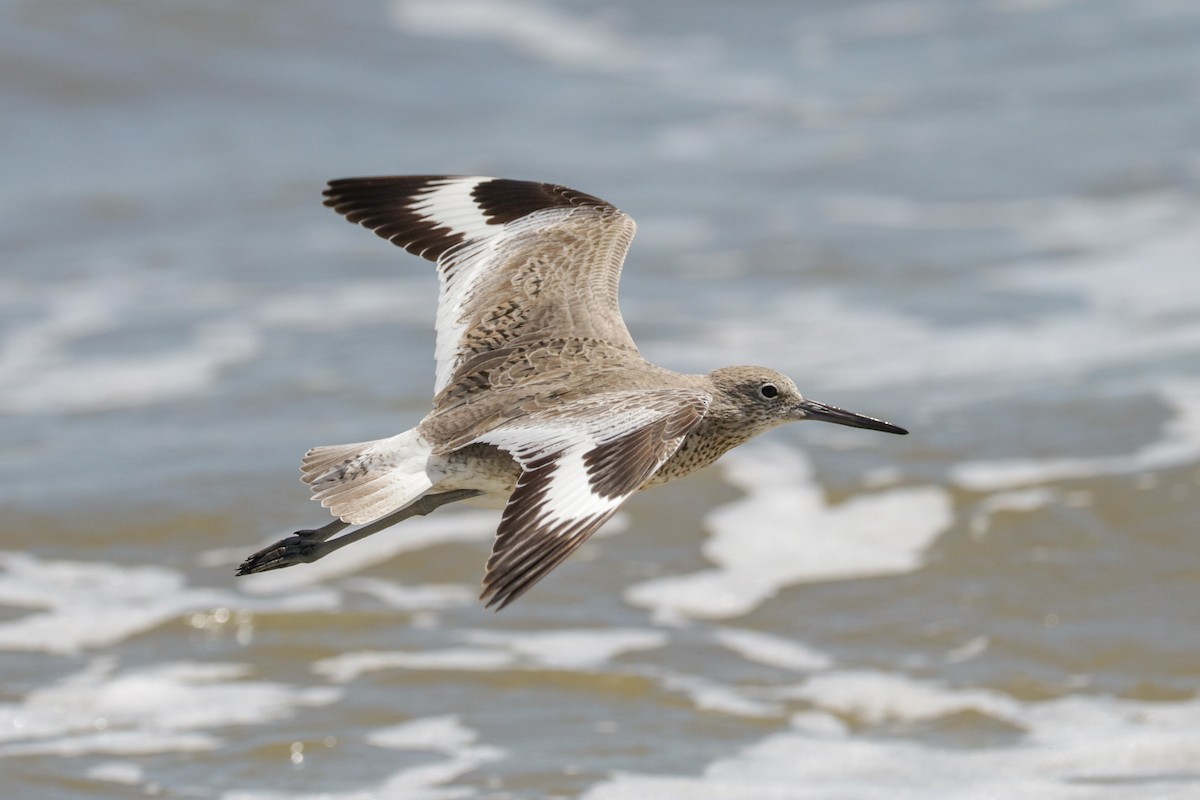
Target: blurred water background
978,219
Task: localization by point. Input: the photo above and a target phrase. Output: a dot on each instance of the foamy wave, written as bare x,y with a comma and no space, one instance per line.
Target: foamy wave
721,698
85,605
89,604
113,743
774,651
121,772
38,375
571,649
349,666
445,736
550,34
594,43
102,710
1074,747
492,650
322,308
876,698
423,597
1179,445
784,533
1122,318
46,365
534,28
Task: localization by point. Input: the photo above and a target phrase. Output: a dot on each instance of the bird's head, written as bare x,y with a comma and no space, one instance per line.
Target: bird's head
767,398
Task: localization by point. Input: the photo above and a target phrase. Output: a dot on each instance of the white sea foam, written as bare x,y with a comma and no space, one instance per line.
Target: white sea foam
553,35
1072,748
710,695
321,307
1178,445
162,708
427,782
783,533
122,772
43,370
493,650
39,374
113,743
591,650
1018,500
1121,317
89,604
968,651
570,649
876,698
774,651
596,43
535,28
348,666
83,605
422,597
444,735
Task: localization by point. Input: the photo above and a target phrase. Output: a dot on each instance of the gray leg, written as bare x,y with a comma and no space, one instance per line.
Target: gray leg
304,547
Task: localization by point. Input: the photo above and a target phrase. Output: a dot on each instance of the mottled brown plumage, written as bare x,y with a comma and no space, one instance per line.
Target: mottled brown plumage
542,401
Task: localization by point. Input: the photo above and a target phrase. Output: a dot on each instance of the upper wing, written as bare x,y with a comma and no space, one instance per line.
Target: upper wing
579,463
515,259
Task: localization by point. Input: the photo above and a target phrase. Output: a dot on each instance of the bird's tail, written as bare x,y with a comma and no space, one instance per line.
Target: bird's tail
364,481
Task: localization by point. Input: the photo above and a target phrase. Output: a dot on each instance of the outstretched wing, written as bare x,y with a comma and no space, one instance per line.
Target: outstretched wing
516,259
579,463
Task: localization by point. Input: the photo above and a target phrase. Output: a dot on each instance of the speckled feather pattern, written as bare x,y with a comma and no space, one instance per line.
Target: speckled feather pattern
542,401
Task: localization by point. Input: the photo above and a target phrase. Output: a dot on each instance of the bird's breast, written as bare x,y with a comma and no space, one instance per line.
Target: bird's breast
698,449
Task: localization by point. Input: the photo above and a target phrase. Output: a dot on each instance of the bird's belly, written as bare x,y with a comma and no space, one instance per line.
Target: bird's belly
484,469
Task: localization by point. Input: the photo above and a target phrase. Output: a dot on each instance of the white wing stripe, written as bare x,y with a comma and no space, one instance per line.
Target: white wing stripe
450,204
569,496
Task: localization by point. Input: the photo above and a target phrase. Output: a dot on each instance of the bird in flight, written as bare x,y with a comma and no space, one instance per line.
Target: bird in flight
542,403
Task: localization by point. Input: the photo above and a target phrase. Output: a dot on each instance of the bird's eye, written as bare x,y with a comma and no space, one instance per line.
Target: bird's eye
768,390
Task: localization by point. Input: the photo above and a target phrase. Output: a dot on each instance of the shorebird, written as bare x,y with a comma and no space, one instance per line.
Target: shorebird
542,403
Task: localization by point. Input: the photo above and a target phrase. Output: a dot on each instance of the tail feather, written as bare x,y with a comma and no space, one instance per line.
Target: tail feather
364,481
319,459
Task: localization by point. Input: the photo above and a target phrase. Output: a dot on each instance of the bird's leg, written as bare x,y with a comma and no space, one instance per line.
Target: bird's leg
306,546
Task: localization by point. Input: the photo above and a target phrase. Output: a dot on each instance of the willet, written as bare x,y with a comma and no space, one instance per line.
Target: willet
542,402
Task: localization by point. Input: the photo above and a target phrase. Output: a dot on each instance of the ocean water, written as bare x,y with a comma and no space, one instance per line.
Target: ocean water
978,219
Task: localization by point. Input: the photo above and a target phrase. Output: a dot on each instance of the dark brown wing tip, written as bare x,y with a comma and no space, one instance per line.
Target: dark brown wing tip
506,578
342,188
394,207
503,200
495,601
384,205
499,199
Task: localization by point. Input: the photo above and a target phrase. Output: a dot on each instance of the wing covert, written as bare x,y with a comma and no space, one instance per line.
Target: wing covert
518,261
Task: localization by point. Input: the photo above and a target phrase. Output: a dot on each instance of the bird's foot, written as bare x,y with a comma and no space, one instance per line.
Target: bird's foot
302,547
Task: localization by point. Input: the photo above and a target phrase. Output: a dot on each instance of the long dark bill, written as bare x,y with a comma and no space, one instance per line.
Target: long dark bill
819,411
